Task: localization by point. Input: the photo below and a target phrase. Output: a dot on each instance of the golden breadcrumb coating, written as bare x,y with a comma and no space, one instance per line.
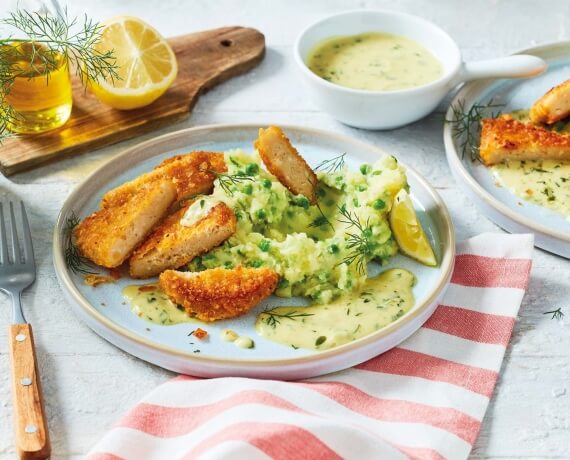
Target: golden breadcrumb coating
190,173
219,293
172,245
109,235
507,139
553,106
284,162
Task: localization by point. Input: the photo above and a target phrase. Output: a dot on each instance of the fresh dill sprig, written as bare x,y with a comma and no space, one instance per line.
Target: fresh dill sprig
466,125
227,181
333,165
321,220
360,242
73,258
50,36
273,319
556,314
47,42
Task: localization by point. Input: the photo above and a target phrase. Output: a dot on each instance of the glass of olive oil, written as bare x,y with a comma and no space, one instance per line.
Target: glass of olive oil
41,94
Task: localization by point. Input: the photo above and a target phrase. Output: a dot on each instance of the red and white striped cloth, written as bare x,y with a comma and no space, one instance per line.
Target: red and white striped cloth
424,399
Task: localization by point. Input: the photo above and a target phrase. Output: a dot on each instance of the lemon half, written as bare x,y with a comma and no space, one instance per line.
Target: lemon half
146,64
408,231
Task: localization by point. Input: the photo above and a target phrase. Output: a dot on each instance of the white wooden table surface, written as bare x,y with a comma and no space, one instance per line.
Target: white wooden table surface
89,384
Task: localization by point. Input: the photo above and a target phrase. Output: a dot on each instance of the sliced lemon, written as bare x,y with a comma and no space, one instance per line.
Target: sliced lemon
408,231
146,64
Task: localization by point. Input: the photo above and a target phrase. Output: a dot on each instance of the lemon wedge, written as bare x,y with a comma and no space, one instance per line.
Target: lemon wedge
146,64
408,231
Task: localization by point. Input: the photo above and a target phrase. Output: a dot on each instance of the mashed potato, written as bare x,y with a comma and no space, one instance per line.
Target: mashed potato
319,251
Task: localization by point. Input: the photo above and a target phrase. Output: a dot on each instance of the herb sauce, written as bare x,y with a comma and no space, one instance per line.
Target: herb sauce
542,182
198,210
241,341
150,303
374,61
381,301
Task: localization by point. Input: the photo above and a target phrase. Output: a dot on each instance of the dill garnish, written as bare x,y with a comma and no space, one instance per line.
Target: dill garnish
333,165
360,242
73,258
321,220
556,314
227,181
50,38
466,125
273,319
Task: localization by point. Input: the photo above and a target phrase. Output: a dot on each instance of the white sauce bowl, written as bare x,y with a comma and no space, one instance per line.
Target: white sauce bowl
392,109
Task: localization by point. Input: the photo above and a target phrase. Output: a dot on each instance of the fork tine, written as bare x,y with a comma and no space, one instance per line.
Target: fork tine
4,259
28,246
16,256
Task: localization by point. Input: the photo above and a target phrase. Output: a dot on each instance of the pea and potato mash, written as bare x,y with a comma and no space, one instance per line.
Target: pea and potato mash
319,251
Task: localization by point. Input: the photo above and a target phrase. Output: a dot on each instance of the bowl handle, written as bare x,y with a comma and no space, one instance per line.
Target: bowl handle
518,66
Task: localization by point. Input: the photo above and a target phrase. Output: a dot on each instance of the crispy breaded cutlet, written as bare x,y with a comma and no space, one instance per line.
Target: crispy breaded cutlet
284,162
190,173
109,235
219,293
553,106
172,245
508,139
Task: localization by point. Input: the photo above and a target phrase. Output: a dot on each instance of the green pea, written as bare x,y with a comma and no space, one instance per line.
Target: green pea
303,202
333,249
248,189
261,214
283,283
255,263
378,204
264,245
267,183
251,169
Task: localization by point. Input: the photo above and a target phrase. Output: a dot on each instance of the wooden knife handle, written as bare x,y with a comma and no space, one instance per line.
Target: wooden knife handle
31,431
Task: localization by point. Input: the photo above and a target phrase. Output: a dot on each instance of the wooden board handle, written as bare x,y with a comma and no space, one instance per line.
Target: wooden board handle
32,437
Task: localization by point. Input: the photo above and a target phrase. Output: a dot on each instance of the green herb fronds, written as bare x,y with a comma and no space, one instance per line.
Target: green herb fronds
466,125
360,242
50,36
273,319
49,41
333,165
73,258
321,220
556,314
229,181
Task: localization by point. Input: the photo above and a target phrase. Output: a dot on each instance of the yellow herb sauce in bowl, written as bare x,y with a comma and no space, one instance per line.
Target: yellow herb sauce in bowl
375,62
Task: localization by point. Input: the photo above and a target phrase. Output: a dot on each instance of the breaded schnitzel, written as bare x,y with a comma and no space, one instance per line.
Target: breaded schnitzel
507,139
219,293
191,173
284,162
553,106
172,244
110,234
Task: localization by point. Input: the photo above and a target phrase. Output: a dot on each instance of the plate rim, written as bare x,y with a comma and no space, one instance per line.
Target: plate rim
455,162
64,278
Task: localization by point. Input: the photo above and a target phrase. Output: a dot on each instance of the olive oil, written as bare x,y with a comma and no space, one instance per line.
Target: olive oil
41,94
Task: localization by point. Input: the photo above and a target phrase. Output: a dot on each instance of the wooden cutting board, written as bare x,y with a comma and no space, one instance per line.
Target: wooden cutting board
205,59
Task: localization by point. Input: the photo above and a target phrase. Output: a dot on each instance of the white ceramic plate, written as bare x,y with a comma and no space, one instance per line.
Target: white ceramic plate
103,310
551,230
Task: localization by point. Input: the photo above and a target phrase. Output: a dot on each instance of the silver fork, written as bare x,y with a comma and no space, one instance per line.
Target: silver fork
16,274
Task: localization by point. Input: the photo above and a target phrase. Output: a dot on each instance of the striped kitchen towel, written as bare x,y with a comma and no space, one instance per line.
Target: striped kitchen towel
424,399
